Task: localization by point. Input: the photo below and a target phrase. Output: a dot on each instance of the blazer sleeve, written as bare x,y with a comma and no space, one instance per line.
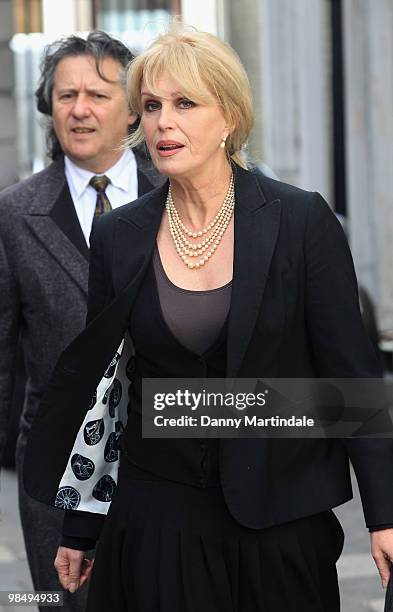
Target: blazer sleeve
342,349
81,530
9,332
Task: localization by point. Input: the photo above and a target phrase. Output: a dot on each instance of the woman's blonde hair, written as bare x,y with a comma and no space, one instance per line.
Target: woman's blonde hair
201,64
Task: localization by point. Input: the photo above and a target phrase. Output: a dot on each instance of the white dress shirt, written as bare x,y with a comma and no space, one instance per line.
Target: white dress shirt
123,188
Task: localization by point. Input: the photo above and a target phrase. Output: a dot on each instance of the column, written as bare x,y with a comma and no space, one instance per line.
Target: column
296,91
203,15
368,49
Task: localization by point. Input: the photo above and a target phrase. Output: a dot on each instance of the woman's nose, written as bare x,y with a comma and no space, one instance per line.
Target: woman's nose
166,118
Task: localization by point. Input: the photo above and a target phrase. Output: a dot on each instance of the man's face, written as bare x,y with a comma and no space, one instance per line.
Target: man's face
90,115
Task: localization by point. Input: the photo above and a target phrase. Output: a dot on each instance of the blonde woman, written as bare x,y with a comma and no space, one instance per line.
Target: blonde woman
220,272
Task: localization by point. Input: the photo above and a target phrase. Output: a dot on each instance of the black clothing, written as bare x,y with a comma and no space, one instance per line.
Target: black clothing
171,547
180,549
294,313
159,354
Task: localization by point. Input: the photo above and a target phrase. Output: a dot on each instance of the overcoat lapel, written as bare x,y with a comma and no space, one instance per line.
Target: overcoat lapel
144,183
53,236
61,248
46,230
257,224
148,176
65,216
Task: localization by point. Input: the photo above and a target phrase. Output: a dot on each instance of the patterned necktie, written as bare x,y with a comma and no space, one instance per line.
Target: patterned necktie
100,183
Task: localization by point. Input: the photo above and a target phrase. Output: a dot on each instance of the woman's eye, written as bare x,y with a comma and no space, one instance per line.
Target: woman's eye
151,106
184,103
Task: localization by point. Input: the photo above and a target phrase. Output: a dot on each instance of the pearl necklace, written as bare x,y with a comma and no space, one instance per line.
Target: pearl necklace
213,232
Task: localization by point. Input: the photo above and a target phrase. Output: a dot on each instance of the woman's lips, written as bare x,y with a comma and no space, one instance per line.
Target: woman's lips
166,148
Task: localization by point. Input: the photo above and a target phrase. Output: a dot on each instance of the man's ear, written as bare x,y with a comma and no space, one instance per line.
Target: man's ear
132,117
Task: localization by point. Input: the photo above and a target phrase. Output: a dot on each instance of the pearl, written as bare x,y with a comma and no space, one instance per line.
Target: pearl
213,232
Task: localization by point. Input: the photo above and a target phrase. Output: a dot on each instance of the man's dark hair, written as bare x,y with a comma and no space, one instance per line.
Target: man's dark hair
97,45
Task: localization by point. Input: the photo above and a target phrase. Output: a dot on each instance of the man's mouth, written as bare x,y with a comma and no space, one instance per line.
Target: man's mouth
82,130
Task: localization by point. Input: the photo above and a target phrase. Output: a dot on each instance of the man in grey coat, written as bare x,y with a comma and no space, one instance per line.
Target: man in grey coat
45,223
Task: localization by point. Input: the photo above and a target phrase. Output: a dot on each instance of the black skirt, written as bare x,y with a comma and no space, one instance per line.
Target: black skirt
171,547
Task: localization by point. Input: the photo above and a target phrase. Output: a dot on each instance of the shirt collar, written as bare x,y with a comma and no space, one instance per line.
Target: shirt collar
120,174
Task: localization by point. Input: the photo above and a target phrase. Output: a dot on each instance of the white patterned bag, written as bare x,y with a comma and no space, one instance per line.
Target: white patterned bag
90,478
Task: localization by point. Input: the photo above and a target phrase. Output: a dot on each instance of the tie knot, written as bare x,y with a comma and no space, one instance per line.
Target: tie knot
99,183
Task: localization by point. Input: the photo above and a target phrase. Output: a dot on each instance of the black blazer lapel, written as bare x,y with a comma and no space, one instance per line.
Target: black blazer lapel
135,235
257,224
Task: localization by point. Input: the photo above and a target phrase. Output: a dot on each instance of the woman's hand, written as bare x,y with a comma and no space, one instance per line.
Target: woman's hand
382,552
73,569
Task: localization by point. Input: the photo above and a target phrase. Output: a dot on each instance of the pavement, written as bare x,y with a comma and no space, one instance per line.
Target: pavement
14,571
360,586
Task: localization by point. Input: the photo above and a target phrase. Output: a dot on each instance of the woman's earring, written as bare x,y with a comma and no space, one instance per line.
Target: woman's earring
223,141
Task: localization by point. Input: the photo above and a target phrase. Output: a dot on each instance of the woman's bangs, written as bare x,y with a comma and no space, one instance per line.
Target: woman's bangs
182,69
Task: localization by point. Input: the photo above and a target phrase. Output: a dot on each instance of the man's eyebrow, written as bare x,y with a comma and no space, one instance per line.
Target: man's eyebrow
89,90
65,89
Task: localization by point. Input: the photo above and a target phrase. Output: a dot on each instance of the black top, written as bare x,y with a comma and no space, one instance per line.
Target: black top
160,329
195,318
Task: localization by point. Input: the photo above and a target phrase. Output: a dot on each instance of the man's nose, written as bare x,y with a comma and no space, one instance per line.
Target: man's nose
81,107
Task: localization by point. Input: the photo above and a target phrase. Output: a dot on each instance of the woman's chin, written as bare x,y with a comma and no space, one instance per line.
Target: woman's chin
171,168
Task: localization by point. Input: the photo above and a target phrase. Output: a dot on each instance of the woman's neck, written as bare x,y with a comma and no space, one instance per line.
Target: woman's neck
198,200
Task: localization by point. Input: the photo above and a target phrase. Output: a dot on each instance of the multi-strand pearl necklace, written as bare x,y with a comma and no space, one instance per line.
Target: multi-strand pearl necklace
213,233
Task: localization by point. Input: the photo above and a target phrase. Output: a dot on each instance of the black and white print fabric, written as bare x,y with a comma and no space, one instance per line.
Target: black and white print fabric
90,478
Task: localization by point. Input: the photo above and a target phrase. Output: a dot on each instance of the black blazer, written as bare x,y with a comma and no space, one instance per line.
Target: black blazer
294,313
